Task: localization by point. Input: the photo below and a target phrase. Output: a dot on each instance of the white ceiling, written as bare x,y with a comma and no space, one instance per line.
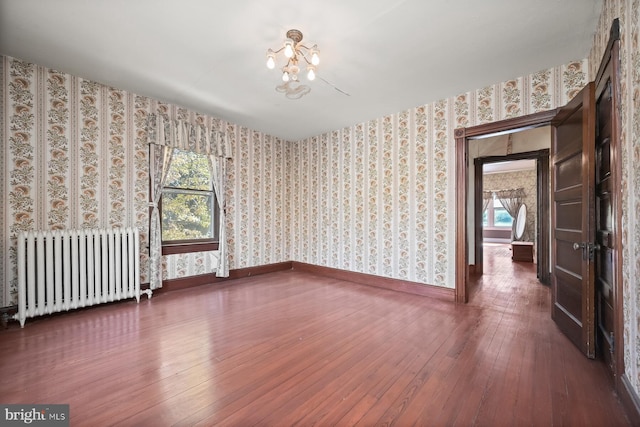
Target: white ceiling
388,55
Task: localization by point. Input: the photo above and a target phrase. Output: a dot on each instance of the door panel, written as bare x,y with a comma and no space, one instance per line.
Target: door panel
573,219
566,212
568,172
571,263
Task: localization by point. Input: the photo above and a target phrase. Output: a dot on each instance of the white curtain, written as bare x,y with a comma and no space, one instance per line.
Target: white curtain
487,197
165,136
511,201
218,168
160,160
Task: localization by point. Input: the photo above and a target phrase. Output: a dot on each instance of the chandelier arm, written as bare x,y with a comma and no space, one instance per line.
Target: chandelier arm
305,58
300,45
277,51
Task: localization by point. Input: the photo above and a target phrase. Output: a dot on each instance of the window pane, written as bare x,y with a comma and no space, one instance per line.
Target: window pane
501,218
186,215
485,218
189,170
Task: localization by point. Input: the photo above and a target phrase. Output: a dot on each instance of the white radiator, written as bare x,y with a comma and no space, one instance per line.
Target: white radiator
67,269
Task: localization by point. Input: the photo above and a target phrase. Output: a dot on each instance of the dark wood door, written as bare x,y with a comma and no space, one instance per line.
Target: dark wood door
604,201
572,219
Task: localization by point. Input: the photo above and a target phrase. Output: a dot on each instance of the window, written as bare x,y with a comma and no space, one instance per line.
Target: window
496,216
188,205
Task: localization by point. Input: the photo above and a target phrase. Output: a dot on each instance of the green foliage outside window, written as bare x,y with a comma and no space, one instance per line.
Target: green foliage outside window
501,218
187,199
496,216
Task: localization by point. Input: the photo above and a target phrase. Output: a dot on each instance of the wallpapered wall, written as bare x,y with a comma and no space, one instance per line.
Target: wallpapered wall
526,179
628,11
93,169
374,198
378,197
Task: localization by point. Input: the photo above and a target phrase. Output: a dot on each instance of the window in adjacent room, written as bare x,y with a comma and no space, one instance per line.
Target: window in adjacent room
188,205
496,216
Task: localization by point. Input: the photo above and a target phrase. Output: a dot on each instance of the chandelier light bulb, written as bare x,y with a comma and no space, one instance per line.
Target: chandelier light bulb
285,76
271,59
315,56
288,48
311,72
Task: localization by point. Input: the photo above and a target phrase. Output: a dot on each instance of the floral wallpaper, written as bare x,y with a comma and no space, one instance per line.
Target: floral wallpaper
378,197
628,12
371,198
74,154
185,265
526,179
84,176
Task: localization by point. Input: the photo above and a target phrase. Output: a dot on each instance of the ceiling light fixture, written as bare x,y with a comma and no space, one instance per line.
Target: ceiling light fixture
296,55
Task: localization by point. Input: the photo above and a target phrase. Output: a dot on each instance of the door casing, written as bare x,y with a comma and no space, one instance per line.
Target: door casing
462,136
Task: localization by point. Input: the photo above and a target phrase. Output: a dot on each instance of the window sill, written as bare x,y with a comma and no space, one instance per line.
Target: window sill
497,228
183,248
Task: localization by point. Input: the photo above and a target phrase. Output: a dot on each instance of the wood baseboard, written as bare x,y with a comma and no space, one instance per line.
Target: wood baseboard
398,285
630,400
203,279
6,314
9,310
362,278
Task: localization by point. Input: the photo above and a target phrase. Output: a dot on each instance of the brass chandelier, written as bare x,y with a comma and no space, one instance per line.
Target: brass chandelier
297,55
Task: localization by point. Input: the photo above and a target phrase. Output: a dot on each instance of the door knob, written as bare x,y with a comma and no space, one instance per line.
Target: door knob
592,246
590,249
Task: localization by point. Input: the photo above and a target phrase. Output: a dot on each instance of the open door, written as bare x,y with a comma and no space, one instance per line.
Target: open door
573,220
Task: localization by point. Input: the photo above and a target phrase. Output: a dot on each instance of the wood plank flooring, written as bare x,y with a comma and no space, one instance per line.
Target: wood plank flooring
289,348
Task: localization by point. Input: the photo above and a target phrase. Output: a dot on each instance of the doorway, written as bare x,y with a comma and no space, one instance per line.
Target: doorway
535,198
465,246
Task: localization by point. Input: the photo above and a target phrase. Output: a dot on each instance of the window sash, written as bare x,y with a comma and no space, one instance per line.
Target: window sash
489,216
213,211
498,211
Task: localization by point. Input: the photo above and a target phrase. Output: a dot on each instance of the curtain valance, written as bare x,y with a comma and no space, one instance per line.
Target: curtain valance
186,136
515,193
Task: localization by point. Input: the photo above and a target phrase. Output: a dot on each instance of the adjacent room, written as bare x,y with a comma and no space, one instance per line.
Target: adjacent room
320,213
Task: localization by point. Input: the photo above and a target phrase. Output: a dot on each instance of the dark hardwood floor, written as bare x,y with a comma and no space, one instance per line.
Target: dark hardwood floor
289,348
